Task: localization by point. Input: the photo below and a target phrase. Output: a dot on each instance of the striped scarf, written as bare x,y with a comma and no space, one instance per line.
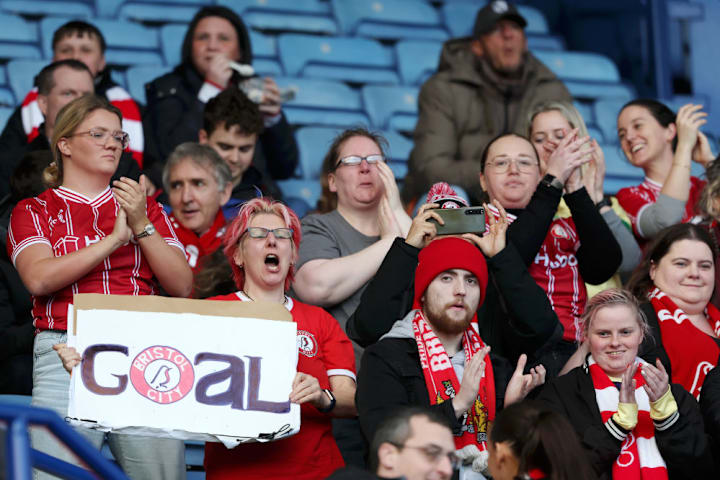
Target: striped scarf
639,456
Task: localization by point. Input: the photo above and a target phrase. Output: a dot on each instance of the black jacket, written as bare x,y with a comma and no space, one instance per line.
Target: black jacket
684,445
174,115
516,316
391,378
710,408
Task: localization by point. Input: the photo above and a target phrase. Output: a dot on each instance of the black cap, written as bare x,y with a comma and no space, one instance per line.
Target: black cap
490,14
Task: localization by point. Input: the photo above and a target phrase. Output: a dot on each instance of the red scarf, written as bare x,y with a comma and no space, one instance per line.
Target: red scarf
692,353
442,383
633,463
197,247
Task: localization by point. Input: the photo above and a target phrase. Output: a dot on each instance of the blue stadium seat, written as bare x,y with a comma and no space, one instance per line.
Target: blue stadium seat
171,38
460,18
306,190
265,57
21,76
18,38
545,42
586,111
400,170
7,99
137,76
417,60
596,133
389,19
322,102
358,60
308,16
583,66
3,75
606,112
157,12
391,108
399,146
127,43
618,172
313,143
78,9
591,91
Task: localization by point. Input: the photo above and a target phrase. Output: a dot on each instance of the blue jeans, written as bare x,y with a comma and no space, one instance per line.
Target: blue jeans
141,457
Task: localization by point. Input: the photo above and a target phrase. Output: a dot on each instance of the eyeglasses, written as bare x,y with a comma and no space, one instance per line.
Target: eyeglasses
100,136
434,454
261,232
353,160
524,165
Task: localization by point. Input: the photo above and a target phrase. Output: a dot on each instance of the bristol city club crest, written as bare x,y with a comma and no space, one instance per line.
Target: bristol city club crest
307,344
162,374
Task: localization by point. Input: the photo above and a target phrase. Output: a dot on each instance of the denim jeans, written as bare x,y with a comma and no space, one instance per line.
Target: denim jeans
150,458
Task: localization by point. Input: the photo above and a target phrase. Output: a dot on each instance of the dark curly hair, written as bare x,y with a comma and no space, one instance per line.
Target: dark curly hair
231,108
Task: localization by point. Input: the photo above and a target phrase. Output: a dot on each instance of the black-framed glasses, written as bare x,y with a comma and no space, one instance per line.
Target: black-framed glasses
100,136
353,160
262,232
524,165
434,454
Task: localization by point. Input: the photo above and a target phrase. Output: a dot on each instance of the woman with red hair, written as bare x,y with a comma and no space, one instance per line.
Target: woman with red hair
261,245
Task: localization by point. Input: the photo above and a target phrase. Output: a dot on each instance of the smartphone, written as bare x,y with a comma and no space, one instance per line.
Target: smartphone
461,220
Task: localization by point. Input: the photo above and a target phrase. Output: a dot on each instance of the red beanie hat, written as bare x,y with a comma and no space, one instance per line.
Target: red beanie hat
445,254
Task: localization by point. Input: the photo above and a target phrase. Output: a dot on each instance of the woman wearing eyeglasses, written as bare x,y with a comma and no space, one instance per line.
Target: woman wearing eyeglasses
360,214
81,236
560,253
261,245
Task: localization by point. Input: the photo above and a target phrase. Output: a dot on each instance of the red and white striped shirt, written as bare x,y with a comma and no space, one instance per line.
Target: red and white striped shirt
67,221
32,118
555,270
636,199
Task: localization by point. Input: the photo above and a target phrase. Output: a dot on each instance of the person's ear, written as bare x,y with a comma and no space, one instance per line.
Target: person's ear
387,457
202,136
670,132
64,146
505,460
483,185
239,257
42,104
332,186
653,269
225,194
477,48
102,63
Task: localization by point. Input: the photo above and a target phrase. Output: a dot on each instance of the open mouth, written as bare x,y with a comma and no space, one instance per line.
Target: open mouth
272,260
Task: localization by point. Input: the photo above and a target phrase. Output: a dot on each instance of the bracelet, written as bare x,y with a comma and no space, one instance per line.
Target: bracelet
605,202
332,402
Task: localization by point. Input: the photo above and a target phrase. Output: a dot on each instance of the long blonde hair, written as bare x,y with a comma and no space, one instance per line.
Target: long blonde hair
68,119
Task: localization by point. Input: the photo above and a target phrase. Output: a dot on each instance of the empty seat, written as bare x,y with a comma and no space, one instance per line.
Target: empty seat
460,17
265,57
399,147
18,38
545,42
606,112
417,60
322,102
7,99
3,75
313,143
127,43
21,76
137,76
306,190
156,12
580,66
590,91
48,7
389,19
309,16
171,39
391,108
358,60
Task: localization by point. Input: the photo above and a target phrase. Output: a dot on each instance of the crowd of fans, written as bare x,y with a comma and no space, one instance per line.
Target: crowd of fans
575,337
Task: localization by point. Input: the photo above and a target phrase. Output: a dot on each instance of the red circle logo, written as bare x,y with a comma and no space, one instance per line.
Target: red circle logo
162,374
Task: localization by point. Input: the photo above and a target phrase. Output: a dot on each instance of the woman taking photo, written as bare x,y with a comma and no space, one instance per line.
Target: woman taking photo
530,442
676,281
81,236
630,420
664,146
261,245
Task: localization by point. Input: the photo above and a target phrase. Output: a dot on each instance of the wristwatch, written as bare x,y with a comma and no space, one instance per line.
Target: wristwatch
605,202
148,230
332,402
552,181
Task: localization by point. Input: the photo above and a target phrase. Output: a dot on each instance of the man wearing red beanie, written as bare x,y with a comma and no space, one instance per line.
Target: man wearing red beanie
435,356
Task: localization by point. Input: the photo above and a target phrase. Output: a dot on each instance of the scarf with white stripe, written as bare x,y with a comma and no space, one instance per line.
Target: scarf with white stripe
639,456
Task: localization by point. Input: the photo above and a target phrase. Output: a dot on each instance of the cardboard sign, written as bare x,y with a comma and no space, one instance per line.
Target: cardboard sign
190,369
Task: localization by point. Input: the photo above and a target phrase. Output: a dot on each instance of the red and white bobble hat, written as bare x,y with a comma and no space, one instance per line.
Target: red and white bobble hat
444,195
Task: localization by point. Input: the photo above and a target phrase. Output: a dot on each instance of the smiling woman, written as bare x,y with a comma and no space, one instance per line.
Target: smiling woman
676,281
624,408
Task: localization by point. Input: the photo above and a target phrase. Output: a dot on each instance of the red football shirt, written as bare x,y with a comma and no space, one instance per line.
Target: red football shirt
323,351
67,221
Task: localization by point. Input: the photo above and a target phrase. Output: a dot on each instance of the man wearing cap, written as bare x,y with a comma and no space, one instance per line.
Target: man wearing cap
435,357
485,85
